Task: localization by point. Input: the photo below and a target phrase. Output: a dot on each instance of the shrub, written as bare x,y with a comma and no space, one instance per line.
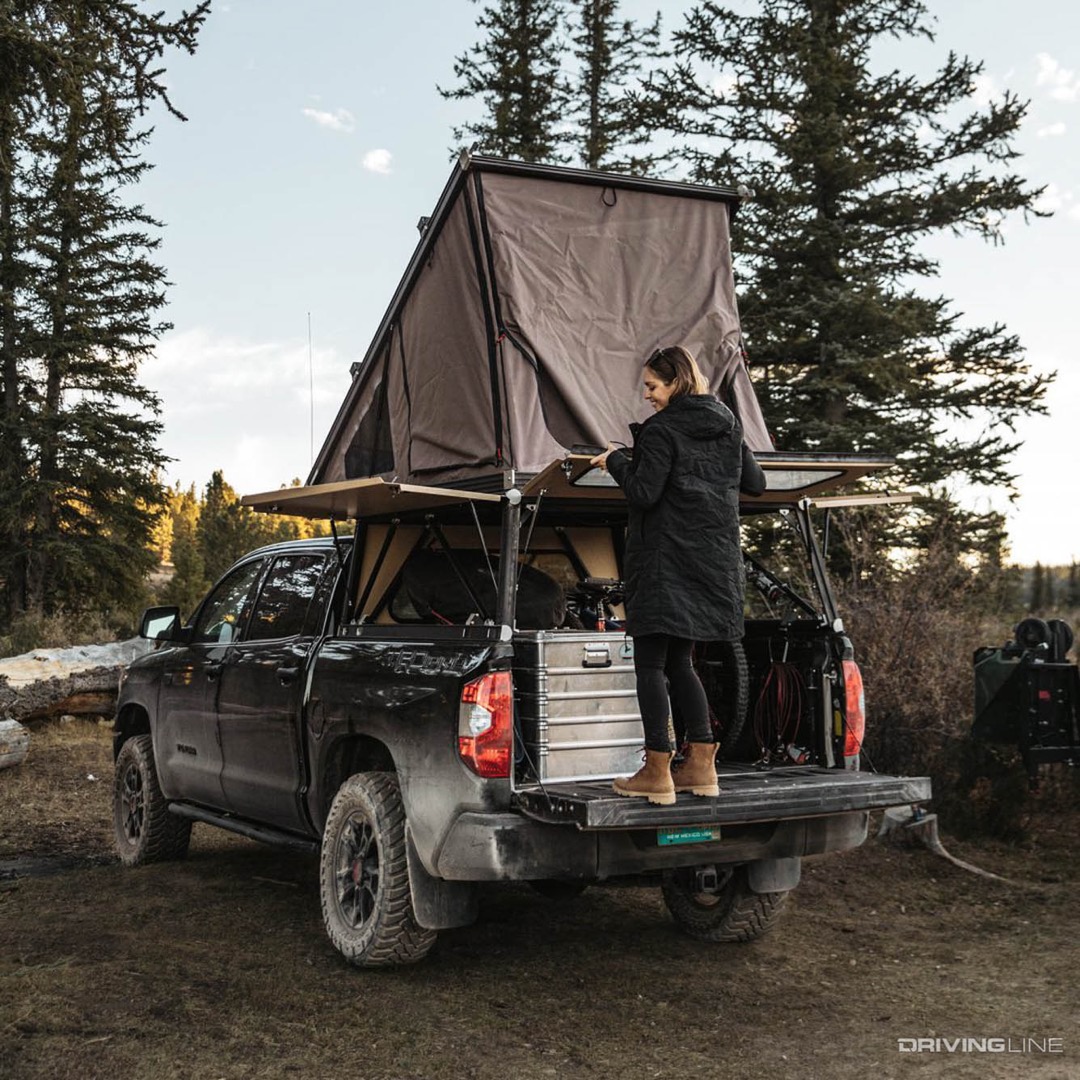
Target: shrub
916,632
62,630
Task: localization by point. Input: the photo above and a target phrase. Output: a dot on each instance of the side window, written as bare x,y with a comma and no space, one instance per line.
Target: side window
282,607
222,616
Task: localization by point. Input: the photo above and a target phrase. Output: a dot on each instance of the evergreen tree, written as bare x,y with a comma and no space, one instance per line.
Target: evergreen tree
516,72
29,62
1072,587
1042,592
852,169
221,532
189,582
78,434
226,530
611,53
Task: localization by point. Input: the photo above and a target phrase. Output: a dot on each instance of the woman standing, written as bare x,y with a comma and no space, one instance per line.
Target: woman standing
683,563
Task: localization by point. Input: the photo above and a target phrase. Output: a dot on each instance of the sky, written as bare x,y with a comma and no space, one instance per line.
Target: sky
316,138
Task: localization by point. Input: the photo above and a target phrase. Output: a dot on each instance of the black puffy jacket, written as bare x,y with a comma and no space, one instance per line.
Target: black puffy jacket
683,568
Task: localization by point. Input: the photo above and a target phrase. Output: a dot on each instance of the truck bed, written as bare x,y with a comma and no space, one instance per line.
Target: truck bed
745,796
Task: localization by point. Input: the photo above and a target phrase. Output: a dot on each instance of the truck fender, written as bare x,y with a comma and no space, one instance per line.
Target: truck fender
773,875
439,904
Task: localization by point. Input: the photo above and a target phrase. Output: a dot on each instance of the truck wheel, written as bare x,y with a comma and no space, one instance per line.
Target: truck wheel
364,875
145,830
733,913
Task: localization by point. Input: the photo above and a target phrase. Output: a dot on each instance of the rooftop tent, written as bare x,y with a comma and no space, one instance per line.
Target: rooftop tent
522,322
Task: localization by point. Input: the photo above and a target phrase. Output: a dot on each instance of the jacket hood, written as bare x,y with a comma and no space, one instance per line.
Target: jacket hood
698,416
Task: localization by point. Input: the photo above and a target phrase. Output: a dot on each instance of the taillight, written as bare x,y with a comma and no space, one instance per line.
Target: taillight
486,723
854,713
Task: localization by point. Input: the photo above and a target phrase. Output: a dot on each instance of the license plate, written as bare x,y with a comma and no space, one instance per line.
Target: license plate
688,834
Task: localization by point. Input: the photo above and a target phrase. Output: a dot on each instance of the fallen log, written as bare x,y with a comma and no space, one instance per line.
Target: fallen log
81,681
14,743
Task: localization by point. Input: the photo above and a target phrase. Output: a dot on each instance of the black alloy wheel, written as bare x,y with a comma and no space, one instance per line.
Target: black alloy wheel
364,875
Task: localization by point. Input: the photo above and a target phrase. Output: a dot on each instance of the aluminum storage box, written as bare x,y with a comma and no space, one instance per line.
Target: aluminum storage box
576,704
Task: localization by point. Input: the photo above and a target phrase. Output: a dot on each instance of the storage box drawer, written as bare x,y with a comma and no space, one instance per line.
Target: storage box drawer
576,704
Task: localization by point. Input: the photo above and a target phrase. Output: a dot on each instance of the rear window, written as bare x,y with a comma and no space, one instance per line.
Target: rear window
285,599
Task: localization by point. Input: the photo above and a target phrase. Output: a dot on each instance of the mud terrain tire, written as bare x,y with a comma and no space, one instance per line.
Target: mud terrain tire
734,913
364,876
145,830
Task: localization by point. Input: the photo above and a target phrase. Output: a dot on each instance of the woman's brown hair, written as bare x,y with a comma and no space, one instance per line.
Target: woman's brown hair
677,367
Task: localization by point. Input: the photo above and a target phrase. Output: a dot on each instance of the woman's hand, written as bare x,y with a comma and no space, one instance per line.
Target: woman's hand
601,459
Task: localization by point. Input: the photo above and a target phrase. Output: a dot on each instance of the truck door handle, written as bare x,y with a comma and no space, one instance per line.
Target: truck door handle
287,674
212,669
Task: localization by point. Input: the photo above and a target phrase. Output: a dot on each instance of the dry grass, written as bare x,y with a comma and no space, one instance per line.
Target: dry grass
59,801
218,966
915,637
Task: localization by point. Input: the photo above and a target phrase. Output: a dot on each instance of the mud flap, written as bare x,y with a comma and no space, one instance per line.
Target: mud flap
439,904
773,875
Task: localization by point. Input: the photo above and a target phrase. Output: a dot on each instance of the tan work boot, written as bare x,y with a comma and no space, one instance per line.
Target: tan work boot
652,781
696,773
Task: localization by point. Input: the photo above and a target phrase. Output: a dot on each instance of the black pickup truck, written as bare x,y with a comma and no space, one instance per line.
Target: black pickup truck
441,700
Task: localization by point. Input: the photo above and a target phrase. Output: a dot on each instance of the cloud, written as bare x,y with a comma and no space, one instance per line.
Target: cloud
338,120
1052,199
1063,84
378,161
984,90
1051,130
243,406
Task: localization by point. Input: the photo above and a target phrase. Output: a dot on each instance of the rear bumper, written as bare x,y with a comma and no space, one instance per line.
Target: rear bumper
584,831
511,847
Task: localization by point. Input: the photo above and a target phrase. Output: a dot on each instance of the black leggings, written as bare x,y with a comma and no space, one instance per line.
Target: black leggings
657,655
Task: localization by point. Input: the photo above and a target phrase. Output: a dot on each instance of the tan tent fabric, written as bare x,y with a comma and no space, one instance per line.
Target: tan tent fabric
522,324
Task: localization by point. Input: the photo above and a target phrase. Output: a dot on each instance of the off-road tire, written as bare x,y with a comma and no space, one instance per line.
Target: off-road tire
737,686
145,830
734,913
364,876
725,678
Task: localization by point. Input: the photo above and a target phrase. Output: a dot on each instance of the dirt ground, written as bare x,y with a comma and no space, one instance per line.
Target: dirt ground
219,967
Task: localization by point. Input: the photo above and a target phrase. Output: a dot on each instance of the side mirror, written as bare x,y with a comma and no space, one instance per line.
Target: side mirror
161,624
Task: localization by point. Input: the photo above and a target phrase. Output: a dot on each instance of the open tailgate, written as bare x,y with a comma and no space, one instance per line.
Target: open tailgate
745,796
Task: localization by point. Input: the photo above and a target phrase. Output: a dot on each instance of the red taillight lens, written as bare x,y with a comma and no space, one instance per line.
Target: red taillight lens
854,713
486,724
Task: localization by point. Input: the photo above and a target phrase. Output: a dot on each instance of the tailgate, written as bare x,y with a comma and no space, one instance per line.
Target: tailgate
745,796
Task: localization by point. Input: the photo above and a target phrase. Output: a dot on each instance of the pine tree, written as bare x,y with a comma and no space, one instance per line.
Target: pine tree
611,53
852,169
1040,592
78,436
189,582
1072,587
29,62
516,72
226,530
